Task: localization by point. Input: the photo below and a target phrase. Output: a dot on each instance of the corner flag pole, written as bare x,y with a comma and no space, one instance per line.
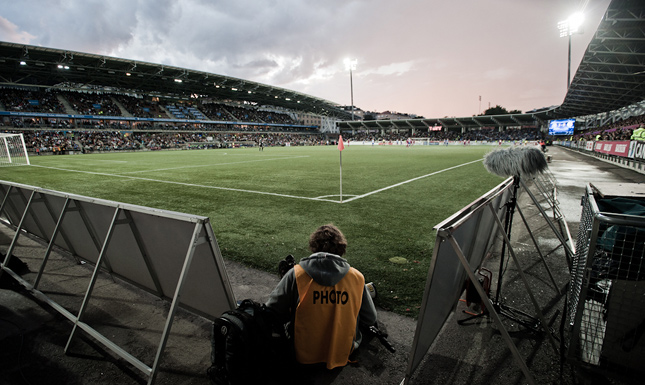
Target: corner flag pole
341,147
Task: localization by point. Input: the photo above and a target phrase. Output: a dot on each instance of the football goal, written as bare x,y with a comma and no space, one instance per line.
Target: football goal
13,151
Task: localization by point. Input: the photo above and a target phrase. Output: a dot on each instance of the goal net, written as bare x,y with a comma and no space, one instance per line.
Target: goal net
13,151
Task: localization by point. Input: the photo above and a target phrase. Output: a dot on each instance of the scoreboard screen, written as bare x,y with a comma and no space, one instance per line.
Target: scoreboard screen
561,127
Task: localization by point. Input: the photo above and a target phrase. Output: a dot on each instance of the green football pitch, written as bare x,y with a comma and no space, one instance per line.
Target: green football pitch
264,204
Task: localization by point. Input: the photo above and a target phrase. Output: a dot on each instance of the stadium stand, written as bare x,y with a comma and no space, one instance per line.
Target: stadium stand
621,130
138,106
92,104
44,142
30,101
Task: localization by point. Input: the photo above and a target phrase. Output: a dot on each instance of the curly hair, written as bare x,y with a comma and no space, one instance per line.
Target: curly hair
329,239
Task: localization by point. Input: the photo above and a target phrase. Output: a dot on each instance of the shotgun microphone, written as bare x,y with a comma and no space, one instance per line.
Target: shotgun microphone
515,161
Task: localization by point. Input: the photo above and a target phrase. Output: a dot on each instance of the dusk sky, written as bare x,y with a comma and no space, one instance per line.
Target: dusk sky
431,58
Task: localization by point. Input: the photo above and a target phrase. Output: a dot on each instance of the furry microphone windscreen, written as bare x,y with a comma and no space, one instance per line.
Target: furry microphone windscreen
515,161
534,162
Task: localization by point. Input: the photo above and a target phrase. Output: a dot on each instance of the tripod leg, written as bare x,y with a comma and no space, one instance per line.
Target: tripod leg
568,248
555,285
493,314
526,284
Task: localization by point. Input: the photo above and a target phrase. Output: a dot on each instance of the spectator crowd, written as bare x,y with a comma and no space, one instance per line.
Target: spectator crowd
240,125
99,103
61,142
621,130
482,135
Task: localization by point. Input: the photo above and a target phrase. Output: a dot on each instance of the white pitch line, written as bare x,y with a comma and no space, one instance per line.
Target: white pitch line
214,164
320,199
409,180
85,161
188,184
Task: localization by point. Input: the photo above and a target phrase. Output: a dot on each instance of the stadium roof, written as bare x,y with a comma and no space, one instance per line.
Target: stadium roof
49,67
612,72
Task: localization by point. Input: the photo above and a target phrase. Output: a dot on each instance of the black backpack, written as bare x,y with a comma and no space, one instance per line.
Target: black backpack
241,343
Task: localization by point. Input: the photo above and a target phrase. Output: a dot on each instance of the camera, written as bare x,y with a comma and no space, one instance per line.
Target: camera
285,265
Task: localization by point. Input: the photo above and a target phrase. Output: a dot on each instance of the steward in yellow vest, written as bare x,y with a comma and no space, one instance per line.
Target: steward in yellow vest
324,299
639,134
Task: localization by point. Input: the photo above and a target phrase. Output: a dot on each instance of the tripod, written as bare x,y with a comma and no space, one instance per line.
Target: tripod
522,318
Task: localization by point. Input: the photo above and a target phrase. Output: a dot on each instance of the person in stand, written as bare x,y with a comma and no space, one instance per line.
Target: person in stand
323,300
639,133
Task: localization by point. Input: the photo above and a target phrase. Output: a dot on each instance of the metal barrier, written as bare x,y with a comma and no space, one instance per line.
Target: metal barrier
171,255
606,300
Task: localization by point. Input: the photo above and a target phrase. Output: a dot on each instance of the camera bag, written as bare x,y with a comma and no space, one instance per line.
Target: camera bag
241,344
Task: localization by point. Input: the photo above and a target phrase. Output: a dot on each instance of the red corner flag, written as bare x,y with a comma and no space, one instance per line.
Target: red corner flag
341,147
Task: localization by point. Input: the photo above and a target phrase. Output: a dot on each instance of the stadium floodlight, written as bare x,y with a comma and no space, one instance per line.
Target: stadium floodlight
567,28
350,64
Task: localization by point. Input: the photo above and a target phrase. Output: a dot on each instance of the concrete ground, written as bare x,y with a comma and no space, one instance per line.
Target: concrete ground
33,335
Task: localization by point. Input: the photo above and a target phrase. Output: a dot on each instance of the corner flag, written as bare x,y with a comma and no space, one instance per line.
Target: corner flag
341,147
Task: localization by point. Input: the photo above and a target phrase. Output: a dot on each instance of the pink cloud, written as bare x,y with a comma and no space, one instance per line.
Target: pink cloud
10,32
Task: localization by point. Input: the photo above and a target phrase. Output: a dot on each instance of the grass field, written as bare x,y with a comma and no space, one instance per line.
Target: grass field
263,205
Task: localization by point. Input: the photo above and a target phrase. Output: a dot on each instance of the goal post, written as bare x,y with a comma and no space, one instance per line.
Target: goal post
13,151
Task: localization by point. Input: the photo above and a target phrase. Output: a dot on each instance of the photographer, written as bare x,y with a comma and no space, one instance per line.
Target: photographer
323,299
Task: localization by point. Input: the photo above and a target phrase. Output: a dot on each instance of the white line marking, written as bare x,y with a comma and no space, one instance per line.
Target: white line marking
336,195
410,180
187,184
213,164
86,161
321,199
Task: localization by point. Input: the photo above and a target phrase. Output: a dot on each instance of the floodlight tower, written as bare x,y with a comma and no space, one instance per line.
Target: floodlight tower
350,64
567,28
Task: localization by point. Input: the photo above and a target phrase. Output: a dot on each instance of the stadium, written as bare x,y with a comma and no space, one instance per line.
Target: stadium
258,167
